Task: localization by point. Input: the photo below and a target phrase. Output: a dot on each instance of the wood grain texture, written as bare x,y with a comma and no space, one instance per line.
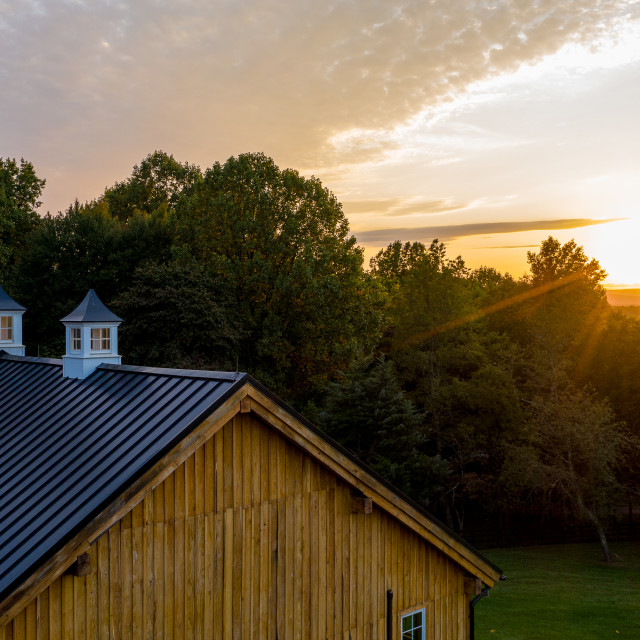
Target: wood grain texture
250,537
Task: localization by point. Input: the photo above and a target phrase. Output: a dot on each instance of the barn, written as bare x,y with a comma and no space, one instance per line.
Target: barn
155,503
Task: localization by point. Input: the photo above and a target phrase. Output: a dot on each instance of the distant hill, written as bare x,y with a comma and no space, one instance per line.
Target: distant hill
623,297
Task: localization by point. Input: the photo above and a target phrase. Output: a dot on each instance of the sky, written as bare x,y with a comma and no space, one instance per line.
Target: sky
488,124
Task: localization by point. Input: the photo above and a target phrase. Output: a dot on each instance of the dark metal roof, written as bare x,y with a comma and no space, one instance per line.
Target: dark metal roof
7,303
91,309
68,446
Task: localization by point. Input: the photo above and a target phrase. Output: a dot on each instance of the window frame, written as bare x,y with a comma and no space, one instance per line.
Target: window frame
75,339
6,329
103,340
423,623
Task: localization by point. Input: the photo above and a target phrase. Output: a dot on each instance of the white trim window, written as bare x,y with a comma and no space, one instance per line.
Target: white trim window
6,328
413,625
101,339
76,339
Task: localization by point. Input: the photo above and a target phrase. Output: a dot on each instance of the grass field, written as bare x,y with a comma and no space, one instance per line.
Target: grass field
562,592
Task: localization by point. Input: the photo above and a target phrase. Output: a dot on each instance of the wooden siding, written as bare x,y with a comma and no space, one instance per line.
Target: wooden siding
249,538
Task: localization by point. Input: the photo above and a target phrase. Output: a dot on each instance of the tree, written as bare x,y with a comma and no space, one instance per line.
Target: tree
82,248
556,262
178,315
570,458
368,412
282,243
565,310
20,190
158,180
396,260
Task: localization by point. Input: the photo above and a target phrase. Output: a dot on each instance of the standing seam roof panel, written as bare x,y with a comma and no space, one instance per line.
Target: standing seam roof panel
67,446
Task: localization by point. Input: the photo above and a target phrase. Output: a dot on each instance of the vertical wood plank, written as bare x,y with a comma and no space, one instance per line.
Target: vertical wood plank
238,524
264,569
256,517
353,572
209,572
199,480
19,626
199,585
247,435
256,460
227,462
126,566
209,481
92,599
219,590
289,552
189,571
179,552
332,586
339,546
103,587
273,567
158,571
30,623
115,583
299,568
247,554
236,461
169,555
219,470
322,561
227,630
306,564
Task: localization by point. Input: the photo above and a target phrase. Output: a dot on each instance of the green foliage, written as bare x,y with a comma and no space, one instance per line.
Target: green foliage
394,262
20,190
250,266
83,248
570,457
555,261
158,181
369,413
282,243
178,315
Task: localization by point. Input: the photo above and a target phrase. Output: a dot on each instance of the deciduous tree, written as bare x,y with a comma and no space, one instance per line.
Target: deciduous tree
20,190
282,243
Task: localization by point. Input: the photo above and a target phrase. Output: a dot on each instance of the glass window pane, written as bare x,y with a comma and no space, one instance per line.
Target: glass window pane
100,339
413,626
6,328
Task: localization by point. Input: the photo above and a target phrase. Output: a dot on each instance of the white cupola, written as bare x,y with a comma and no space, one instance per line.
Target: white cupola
10,325
92,338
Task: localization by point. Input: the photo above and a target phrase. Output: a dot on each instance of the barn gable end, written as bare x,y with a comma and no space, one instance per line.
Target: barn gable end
246,527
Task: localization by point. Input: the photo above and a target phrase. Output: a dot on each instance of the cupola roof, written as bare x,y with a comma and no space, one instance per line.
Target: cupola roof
7,303
91,309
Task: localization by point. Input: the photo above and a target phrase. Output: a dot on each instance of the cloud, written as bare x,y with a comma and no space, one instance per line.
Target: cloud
403,207
379,237
315,68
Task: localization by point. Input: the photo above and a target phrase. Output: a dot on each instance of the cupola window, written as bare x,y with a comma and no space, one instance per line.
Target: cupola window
6,328
101,339
76,339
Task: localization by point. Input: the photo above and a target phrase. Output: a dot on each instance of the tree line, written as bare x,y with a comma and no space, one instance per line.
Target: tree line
463,387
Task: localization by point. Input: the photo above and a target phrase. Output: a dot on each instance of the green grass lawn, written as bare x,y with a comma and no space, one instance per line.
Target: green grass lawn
563,592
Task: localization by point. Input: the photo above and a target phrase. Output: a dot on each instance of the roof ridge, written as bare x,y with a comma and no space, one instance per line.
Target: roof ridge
176,373
33,359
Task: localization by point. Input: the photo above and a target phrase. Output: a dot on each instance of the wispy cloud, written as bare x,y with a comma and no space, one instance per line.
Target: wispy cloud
230,76
379,237
395,207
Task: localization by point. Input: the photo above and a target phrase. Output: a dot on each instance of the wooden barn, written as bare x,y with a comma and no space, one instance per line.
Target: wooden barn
155,503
